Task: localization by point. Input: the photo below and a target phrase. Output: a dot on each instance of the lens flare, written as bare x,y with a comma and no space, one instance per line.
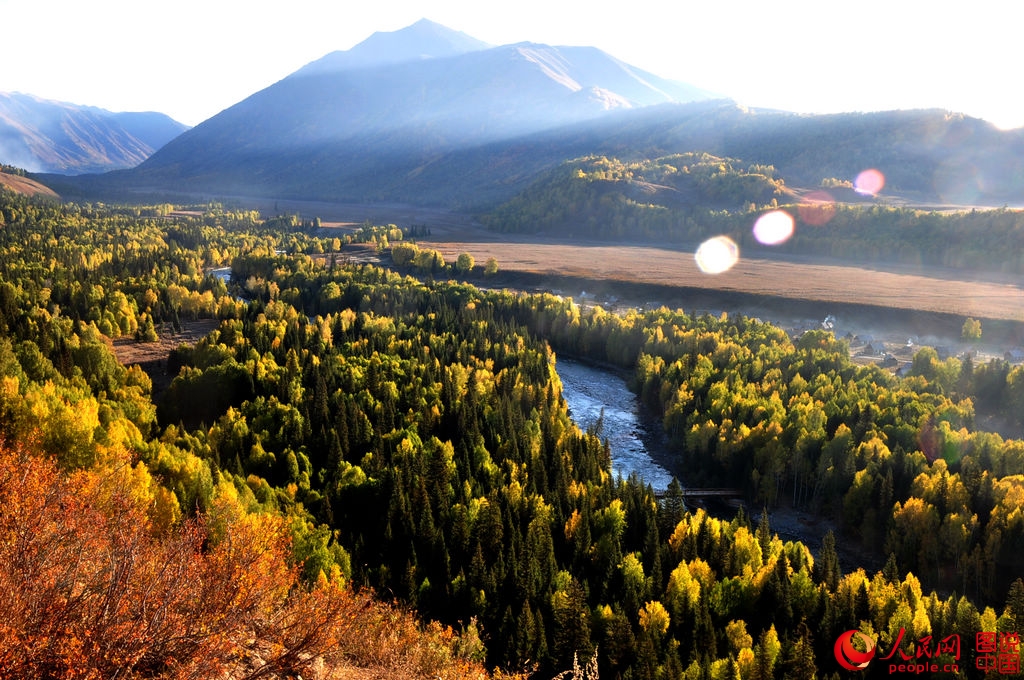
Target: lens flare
869,182
817,208
717,255
773,228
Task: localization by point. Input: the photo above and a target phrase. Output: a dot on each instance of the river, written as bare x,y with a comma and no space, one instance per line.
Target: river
587,390
222,273
633,436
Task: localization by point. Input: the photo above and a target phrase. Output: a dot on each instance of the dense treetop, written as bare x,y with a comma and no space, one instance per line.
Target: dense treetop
411,436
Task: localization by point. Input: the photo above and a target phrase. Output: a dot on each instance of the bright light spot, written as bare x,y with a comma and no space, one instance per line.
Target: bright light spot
869,182
817,208
773,228
717,255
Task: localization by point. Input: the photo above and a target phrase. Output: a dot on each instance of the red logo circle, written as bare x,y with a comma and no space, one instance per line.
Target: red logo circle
851,658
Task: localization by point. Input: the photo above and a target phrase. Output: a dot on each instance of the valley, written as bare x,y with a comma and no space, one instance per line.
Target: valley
351,378
415,420
882,300
929,289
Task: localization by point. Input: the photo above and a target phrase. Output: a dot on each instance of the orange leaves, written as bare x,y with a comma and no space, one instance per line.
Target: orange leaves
93,590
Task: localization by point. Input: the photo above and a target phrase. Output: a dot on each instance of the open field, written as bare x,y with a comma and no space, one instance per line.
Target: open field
152,356
889,301
987,295
799,281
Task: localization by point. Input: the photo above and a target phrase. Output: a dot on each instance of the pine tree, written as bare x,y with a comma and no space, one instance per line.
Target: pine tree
891,571
704,631
826,569
672,508
800,664
1015,604
571,634
764,533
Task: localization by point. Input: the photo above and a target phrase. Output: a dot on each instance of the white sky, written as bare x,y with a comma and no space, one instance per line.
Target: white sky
193,58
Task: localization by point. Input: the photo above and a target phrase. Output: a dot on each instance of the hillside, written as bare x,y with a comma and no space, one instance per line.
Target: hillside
927,152
684,199
57,137
607,198
15,180
925,155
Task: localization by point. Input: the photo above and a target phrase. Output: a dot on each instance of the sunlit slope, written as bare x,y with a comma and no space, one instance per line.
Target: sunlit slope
20,184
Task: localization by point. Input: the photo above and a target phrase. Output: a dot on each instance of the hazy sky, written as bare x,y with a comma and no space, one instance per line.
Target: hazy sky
193,58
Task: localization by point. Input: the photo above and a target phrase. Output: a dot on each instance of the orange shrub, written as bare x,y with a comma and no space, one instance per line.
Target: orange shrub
91,590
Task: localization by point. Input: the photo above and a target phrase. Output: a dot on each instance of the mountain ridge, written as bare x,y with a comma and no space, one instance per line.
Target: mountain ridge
424,39
352,116
448,121
43,135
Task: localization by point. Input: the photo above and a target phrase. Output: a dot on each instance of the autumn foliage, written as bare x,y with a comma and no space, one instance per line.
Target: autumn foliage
93,589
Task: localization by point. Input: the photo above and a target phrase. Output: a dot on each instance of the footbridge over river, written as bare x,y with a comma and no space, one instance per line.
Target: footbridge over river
694,493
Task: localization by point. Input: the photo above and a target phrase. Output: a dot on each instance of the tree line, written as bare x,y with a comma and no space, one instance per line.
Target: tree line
687,198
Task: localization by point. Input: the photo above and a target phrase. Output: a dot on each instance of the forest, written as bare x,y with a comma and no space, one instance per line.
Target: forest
687,198
352,441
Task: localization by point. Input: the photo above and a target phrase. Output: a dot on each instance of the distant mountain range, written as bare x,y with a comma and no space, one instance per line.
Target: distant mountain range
40,135
432,116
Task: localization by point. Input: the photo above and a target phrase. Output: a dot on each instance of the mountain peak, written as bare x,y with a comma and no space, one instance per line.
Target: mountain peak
424,39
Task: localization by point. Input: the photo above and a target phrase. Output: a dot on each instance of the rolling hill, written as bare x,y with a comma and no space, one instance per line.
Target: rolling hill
604,197
47,136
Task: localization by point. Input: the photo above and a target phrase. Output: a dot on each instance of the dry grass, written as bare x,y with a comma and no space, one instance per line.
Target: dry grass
152,356
930,290
24,185
129,351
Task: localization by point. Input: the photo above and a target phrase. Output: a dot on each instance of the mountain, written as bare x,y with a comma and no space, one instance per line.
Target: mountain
351,125
423,40
431,116
49,136
925,155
